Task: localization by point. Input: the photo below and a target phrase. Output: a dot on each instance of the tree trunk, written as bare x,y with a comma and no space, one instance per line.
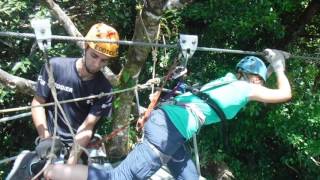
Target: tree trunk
146,27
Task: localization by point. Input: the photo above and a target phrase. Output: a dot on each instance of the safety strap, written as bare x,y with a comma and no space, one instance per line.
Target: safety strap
224,129
163,157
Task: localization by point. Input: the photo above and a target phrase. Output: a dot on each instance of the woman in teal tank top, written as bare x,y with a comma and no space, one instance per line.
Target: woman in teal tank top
168,127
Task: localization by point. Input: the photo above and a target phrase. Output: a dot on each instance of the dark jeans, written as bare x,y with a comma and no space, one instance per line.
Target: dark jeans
142,162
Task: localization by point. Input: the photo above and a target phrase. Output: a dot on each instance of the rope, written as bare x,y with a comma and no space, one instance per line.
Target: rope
156,95
135,43
315,161
154,59
57,105
154,49
196,153
8,159
140,87
137,101
5,119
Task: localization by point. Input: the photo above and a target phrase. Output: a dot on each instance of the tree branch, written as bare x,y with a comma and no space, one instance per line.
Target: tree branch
19,84
65,20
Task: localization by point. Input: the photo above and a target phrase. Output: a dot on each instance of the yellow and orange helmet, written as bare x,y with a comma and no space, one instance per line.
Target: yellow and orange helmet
103,31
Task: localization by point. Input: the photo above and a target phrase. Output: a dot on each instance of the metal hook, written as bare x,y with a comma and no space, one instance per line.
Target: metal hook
188,45
42,30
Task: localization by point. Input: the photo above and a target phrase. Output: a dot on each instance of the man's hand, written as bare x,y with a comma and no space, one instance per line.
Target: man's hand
276,58
82,138
269,71
44,147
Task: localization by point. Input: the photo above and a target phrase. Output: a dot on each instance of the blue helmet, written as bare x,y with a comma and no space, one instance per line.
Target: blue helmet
252,65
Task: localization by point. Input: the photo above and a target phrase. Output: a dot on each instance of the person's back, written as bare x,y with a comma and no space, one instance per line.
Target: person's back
190,112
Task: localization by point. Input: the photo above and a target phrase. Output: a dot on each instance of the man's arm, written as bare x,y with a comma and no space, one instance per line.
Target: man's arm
267,95
39,117
283,92
82,138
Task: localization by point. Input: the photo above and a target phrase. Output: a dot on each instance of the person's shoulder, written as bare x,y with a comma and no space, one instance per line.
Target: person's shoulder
61,60
229,77
241,85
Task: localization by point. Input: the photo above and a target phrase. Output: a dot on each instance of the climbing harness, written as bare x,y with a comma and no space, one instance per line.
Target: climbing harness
188,45
163,157
214,106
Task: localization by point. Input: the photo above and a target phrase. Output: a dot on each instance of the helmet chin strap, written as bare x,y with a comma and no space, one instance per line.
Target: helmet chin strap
84,61
87,69
244,77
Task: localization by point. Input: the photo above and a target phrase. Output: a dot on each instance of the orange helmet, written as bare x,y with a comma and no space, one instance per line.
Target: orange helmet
103,31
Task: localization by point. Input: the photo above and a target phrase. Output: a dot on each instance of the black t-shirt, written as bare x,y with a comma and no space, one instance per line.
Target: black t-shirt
69,86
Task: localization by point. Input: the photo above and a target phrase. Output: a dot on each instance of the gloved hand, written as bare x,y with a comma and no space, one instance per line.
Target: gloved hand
276,58
44,147
269,71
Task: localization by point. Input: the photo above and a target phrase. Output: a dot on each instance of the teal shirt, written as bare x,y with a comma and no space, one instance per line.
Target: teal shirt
231,97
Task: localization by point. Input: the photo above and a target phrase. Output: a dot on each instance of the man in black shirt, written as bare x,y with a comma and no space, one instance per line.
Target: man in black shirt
75,78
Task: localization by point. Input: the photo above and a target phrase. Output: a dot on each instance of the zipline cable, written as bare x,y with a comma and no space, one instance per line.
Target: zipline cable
70,38
135,43
8,159
143,86
5,119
